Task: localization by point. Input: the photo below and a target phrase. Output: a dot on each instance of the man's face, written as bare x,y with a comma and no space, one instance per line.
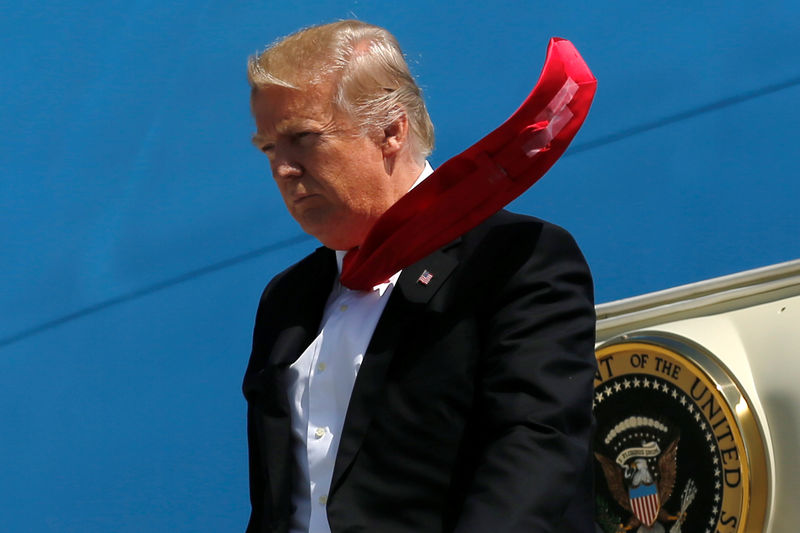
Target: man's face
331,176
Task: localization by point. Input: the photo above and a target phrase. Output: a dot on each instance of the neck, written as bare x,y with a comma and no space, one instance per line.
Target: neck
404,171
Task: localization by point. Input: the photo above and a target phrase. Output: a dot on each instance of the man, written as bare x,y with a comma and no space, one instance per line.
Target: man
454,396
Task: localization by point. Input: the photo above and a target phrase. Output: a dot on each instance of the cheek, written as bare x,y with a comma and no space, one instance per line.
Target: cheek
346,172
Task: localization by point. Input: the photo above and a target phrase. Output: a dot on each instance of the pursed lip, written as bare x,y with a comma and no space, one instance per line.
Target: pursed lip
300,198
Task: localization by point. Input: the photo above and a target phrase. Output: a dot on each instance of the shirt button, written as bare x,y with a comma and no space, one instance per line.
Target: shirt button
343,307
323,500
321,367
319,433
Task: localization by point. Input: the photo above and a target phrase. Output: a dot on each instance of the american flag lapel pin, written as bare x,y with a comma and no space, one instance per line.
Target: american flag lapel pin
425,277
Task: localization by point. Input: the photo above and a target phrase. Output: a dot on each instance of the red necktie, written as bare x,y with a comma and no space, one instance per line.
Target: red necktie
470,187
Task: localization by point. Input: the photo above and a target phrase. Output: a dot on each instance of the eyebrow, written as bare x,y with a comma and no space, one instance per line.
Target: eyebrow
258,140
288,127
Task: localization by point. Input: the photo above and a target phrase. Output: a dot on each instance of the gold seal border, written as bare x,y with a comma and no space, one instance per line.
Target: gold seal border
750,431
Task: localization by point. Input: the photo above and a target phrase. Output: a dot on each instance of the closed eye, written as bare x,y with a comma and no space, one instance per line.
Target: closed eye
261,142
305,137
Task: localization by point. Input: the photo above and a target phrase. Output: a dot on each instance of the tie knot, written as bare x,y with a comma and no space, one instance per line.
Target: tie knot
348,263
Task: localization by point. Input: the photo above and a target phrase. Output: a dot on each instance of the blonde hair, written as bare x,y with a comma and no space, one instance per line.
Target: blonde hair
373,84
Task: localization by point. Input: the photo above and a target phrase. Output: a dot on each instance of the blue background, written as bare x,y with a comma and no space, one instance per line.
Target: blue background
138,225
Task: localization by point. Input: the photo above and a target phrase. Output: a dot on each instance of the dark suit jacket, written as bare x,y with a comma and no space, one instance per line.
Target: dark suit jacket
472,408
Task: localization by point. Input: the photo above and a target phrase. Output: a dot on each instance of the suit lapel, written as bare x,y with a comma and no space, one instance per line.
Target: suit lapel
297,328
412,294
311,287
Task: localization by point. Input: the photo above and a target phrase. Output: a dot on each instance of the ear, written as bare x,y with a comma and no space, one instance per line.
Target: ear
395,136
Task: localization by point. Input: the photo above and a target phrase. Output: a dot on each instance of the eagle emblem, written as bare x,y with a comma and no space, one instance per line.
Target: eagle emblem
641,475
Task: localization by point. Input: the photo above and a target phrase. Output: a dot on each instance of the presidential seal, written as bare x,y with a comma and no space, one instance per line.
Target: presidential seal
677,447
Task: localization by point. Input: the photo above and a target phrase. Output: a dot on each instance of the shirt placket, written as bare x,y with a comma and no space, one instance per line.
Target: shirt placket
323,427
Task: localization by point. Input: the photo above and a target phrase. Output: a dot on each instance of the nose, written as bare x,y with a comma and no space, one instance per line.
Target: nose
285,169
285,165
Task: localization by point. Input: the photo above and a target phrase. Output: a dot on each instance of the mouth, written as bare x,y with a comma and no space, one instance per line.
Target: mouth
301,198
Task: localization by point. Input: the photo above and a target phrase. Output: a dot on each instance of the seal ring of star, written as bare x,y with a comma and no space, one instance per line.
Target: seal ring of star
678,446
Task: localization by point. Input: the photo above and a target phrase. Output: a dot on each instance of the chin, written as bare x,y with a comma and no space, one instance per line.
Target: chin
338,242
334,234
327,239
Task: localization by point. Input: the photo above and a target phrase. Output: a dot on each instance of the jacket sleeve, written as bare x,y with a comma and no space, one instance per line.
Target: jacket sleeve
257,486
534,392
259,514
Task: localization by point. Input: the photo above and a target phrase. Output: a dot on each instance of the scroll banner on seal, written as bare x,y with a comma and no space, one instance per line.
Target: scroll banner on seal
649,449
471,186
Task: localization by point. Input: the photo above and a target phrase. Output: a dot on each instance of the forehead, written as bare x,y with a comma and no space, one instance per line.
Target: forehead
277,108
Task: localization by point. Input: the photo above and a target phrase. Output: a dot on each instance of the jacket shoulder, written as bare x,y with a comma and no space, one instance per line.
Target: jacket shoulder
522,225
306,271
506,235
518,253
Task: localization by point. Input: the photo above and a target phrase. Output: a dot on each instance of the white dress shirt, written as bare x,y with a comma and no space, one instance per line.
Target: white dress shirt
319,384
